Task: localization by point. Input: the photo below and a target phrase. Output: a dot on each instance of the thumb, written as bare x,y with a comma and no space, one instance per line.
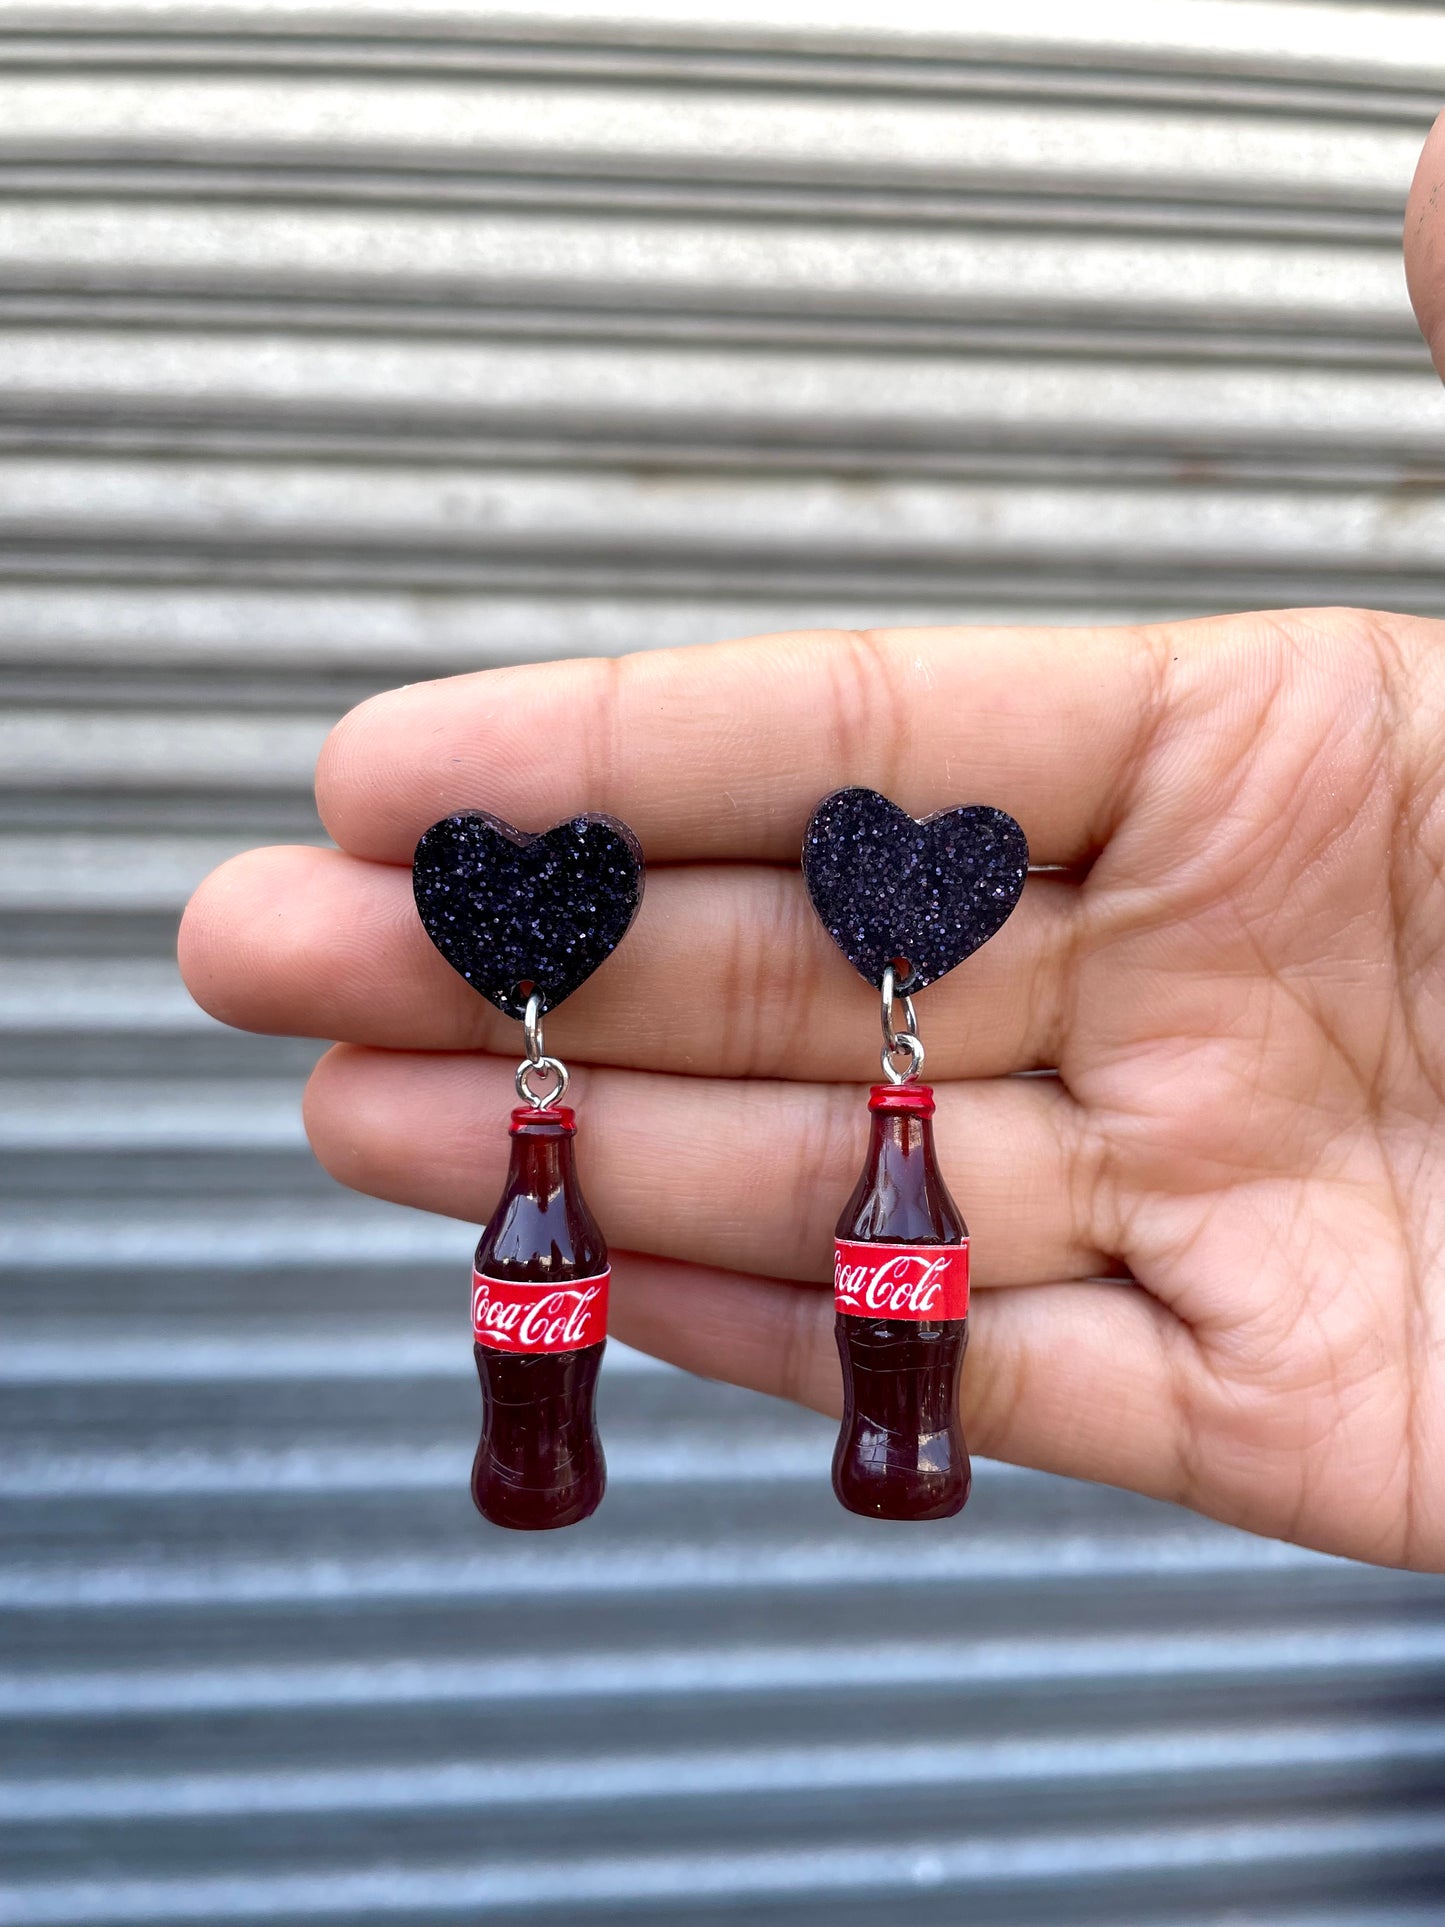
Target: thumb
1425,243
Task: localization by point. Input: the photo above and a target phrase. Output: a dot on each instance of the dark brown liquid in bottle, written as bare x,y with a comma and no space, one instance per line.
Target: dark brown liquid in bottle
539,1463
901,1452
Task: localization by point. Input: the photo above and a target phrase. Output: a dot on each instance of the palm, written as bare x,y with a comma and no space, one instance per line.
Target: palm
1204,1249
1255,1039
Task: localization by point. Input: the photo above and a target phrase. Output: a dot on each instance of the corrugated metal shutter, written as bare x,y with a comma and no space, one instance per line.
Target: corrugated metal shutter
337,349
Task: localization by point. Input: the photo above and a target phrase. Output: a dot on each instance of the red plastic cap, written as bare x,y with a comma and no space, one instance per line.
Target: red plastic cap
552,1120
915,1099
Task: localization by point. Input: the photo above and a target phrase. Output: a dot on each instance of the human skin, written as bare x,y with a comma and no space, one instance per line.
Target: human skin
1209,1251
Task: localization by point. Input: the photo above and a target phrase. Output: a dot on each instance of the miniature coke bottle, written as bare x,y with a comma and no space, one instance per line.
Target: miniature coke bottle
901,1296
539,1322
525,918
906,899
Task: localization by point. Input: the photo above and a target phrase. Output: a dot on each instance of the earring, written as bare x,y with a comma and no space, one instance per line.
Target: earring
525,920
905,901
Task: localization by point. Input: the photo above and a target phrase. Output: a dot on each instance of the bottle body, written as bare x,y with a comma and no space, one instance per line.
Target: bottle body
901,1297
539,1322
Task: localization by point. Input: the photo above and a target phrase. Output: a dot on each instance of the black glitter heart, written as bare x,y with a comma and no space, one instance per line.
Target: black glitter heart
889,887
507,909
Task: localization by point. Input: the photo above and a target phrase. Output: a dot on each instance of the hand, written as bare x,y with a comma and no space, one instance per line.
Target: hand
1208,1251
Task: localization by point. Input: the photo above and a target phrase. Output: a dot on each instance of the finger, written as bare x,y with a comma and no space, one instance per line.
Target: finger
1079,1379
727,973
724,751
1425,242
749,1176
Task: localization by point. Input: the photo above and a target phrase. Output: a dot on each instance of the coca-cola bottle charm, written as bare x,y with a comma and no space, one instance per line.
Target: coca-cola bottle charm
525,920
905,901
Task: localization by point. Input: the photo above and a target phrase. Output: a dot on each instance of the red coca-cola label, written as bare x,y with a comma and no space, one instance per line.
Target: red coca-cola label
901,1281
514,1317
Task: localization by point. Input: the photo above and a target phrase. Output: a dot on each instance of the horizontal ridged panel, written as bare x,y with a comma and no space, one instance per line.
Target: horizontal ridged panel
623,130
340,346
730,263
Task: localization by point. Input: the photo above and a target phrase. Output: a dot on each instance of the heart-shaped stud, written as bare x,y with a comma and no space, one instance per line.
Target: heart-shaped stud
513,912
893,890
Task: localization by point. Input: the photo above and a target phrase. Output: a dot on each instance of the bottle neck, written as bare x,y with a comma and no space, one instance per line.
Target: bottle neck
900,1152
542,1227
901,1196
542,1160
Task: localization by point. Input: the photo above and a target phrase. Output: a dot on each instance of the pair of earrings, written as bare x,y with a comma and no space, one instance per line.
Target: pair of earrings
526,920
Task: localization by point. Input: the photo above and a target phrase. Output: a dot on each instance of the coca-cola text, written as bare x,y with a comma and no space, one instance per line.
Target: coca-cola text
920,1282
517,1316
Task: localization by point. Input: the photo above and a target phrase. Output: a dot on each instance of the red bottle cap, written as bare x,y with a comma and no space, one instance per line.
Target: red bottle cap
915,1099
549,1121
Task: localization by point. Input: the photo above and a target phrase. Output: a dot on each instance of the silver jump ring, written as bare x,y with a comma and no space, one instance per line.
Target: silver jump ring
892,996
537,1060
532,1028
540,1101
898,1042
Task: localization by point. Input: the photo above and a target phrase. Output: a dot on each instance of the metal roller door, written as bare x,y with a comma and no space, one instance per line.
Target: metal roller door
345,347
